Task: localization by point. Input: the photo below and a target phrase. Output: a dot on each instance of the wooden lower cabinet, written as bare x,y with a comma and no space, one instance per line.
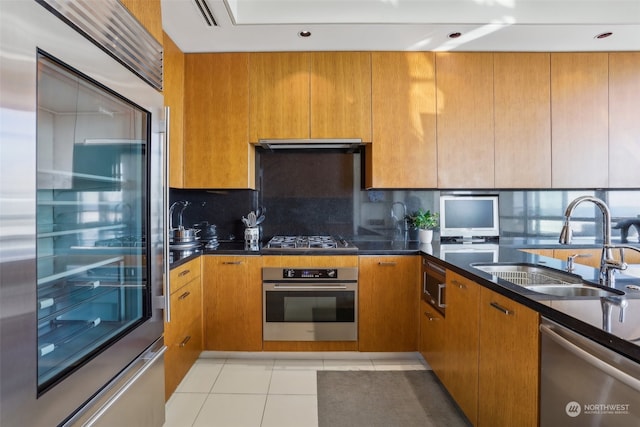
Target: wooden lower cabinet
460,371
432,338
509,356
232,300
183,334
388,296
486,352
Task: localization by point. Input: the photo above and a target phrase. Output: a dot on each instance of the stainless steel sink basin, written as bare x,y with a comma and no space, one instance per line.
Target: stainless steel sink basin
529,274
572,290
546,280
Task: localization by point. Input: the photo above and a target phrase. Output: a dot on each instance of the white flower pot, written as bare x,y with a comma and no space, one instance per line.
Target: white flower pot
425,236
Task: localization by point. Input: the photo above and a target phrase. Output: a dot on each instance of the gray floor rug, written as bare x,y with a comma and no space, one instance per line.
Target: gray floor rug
384,399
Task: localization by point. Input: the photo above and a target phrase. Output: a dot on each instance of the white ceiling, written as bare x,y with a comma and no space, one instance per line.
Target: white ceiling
486,25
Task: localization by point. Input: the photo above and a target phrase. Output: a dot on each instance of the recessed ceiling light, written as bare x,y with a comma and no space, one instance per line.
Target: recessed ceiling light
304,34
454,35
604,35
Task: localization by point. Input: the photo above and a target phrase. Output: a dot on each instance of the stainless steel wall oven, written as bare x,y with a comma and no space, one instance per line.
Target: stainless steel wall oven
82,145
310,304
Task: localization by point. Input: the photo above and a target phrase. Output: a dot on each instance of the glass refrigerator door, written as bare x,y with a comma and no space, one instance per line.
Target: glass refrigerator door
91,228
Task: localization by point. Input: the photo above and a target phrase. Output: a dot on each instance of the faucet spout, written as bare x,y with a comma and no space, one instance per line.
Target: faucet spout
607,305
608,263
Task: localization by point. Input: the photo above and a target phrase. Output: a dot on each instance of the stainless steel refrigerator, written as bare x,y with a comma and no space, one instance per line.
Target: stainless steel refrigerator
82,196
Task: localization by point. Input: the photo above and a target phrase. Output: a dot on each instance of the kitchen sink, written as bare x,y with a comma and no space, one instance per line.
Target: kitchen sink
545,280
529,274
573,290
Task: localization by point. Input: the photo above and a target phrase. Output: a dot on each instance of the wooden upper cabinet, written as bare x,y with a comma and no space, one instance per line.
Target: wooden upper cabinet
149,14
403,153
217,151
522,85
579,120
174,99
279,87
624,126
465,128
341,95
303,95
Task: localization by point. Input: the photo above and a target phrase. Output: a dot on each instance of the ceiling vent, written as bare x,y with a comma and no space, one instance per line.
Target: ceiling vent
205,11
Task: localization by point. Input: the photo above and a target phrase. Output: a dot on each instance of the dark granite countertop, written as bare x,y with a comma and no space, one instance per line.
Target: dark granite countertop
583,314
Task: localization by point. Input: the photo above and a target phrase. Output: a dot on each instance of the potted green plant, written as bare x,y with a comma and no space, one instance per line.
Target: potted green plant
425,222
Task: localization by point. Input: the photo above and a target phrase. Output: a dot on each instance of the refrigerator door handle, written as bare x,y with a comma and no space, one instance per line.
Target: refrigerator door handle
165,215
583,353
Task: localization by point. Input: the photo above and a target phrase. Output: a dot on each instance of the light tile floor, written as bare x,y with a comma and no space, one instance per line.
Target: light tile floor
265,389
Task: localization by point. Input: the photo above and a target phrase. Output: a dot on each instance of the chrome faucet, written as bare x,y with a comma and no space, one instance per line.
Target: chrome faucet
607,305
608,264
400,224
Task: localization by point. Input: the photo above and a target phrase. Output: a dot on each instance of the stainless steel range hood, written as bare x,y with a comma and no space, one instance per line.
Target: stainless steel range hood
299,144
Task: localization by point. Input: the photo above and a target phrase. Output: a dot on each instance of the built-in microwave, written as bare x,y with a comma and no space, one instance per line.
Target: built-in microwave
433,284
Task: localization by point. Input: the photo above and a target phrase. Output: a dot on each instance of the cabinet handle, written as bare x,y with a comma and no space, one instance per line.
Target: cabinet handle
424,283
183,296
430,316
387,263
185,341
501,308
459,285
232,262
184,273
441,287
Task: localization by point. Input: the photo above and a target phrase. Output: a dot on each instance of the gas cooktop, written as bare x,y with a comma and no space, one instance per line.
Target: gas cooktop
309,243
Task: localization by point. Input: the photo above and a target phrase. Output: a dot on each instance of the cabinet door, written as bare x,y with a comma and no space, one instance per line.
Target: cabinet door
341,95
388,296
174,99
232,300
508,363
522,85
403,151
624,126
461,344
279,88
432,338
217,151
465,120
579,118
183,335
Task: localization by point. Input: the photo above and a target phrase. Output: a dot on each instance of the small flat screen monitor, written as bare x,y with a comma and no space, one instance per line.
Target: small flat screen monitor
469,218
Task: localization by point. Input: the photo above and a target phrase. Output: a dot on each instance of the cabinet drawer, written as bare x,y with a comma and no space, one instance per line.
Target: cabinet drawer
181,355
185,307
180,276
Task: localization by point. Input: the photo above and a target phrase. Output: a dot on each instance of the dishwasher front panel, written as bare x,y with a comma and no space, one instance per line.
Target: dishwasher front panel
584,384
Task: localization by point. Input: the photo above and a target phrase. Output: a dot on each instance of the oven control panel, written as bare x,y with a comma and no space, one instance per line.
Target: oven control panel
300,273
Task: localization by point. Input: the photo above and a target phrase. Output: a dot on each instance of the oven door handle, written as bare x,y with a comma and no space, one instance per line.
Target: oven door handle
311,288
